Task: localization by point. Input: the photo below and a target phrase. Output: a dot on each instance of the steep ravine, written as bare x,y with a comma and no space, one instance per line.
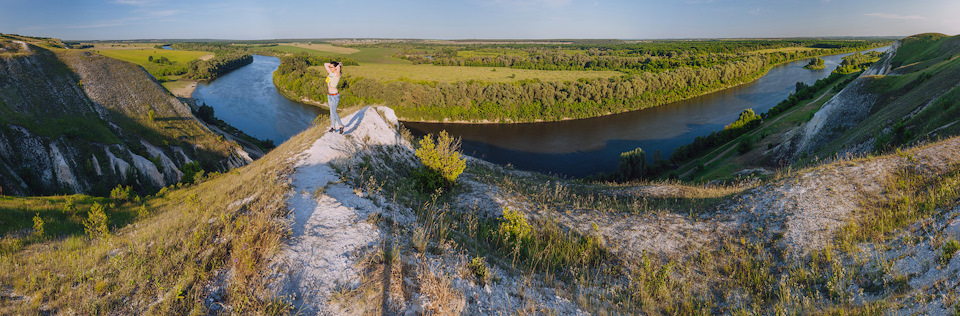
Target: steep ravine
77,122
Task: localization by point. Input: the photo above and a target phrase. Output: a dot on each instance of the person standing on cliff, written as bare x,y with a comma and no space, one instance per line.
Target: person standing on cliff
333,95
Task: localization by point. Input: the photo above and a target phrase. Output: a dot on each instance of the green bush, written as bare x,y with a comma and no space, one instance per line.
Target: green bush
190,172
949,249
514,228
442,162
746,144
96,223
37,226
633,164
121,193
478,267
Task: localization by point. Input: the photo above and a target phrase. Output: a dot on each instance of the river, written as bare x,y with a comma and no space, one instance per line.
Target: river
247,99
584,147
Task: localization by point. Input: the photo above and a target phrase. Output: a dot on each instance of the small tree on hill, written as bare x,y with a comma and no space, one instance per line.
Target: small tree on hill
633,164
441,161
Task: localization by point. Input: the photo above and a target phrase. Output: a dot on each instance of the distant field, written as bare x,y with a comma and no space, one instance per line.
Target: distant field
102,46
363,56
141,56
325,48
472,53
296,50
427,72
783,50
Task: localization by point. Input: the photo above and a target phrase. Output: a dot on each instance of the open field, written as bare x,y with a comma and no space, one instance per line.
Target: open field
140,56
428,72
783,50
324,48
492,53
116,46
363,55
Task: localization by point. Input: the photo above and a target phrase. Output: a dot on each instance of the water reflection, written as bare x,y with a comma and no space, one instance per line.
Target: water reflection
247,99
583,147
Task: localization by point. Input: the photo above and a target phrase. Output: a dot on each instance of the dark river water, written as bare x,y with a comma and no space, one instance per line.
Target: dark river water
584,147
247,99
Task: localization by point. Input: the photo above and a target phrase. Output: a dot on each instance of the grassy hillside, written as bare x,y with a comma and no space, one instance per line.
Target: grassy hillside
789,244
162,254
916,102
73,121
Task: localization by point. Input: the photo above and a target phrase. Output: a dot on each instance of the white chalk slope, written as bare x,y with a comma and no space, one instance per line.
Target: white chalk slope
329,219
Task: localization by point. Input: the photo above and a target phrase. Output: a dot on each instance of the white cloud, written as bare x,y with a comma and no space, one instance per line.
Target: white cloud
98,24
527,3
755,11
895,16
132,2
162,13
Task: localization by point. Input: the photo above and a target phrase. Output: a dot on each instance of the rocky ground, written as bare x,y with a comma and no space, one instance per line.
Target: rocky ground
340,242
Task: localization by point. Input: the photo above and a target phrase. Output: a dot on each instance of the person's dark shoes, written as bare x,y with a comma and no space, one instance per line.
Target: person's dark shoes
331,129
341,129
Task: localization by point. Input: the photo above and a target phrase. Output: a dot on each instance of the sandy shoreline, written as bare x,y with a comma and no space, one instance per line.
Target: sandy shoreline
183,88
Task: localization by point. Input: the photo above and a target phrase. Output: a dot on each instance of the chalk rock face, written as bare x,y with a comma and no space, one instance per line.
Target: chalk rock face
846,109
147,169
170,171
67,126
62,169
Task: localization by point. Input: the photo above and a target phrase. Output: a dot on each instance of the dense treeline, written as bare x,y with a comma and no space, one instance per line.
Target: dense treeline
528,101
225,60
537,100
295,75
815,63
533,100
215,47
747,121
703,144
216,66
857,62
656,56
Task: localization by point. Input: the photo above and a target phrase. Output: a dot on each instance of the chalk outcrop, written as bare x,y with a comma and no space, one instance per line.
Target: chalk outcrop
73,123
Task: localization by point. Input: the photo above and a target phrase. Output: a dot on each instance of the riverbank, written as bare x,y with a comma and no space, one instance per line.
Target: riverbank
645,101
293,97
182,88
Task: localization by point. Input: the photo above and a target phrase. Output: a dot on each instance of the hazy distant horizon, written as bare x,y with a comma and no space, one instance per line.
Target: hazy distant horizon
159,40
475,19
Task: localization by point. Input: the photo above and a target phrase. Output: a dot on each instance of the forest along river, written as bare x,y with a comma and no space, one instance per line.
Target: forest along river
584,147
247,99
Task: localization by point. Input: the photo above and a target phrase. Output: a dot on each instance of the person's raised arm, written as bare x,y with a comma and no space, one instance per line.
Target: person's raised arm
329,67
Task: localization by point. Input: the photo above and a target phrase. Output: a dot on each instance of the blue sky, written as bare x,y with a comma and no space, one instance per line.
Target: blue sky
460,19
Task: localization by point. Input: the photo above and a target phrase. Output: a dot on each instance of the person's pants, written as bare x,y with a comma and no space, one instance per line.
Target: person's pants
333,100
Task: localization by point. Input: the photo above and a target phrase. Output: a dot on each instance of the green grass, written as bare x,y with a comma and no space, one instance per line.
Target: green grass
88,128
162,262
140,57
294,50
62,216
492,53
901,95
726,166
921,47
428,72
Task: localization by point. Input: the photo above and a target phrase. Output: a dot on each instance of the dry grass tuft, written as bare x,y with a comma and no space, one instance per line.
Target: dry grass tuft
228,226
